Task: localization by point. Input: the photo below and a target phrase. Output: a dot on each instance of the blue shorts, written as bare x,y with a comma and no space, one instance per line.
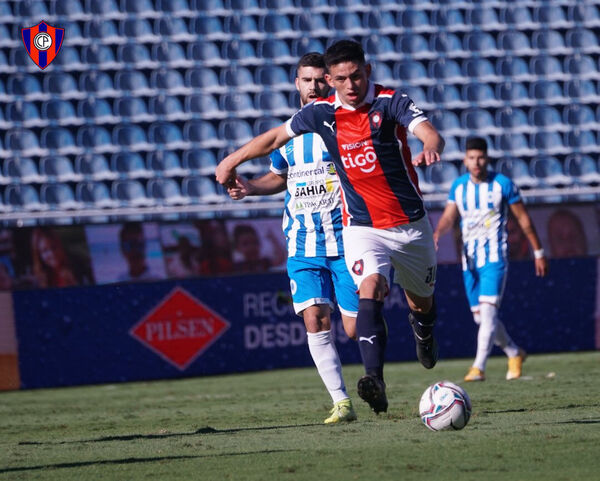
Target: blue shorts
315,280
485,284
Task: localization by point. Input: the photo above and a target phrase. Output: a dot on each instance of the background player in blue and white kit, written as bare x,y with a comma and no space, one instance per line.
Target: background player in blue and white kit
481,198
312,224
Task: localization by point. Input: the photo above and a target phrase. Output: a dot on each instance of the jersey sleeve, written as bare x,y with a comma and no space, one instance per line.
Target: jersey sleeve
510,191
406,113
278,163
452,193
302,121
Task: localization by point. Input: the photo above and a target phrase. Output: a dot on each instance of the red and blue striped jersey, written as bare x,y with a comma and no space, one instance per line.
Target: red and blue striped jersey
370,150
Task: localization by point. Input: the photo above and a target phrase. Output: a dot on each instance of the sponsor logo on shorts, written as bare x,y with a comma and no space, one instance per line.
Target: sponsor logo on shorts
358,267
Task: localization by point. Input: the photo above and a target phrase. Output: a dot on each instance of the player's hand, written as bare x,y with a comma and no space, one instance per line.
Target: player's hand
240,189
541,267
225,173
427,157
436,238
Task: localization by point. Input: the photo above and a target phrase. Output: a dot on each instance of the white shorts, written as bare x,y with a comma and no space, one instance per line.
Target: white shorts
408,248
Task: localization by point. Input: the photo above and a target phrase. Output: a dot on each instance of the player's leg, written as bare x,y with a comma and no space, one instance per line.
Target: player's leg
367,258
471,283
414,259
345,293
311,292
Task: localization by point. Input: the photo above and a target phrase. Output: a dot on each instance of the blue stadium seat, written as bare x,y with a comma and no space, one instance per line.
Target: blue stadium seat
241,79
99,56
169,80
69,59
277,25
174,29
518,17
58,168
250,7
207,53
94,167
312,24
22,170
138,29
133,81
549,171
167,107
515,93
105,8
275,50
24,114
167,135
203,106
239,26
452,150
273,77
481,43
274,103
165,163
549,142
200,161
381,48
582,40
581,116
582,140
547,92
23,197
582,169
446,122
549,42
130,165
351,5
424,186
518,171
584,13
319,6
382,74
414,45
347,22
70,8
515,43
209,27
513,68
481,94
552,16
479,68
479,120
202,134
514,144
94,195
135,55
548,67
238,104
235,131
97,82
58,197
446,70
441,175
447,96
416,20
449,19
31,8
139,8
95,138
581,66
62,84
483,17
413,72
6,13
584,90
130,193
132,109
418,96
380,22
304,45
283,6
200,190
24,85
24,141
166,191
214,7
96,109
171,54
547,117
513,119
102,30
205,79
263,124
177,8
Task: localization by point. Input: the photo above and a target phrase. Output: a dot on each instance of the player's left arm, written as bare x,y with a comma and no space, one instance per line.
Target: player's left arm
433,144
524,220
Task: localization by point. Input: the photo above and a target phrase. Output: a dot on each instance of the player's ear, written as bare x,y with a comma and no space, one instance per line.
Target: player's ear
368,70
297,82
329,80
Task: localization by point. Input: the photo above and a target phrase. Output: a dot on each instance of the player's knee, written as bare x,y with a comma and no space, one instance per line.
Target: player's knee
316,320
374,287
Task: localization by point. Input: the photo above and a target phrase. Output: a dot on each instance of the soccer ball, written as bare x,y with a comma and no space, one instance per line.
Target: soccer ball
444,405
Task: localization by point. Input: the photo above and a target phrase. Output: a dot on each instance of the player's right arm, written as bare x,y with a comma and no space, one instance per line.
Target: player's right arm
268,184
257,147
446,222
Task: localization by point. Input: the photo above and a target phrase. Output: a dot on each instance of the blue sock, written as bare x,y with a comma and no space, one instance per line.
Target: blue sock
371,333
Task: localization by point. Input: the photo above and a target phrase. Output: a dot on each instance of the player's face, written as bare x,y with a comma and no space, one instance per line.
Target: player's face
350,80
476,162
311,84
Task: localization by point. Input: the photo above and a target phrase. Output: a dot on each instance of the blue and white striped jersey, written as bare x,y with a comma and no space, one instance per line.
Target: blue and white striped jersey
312,219
483,209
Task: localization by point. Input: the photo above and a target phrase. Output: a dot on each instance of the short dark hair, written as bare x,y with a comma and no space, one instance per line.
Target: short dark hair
344,51
477,143
311,59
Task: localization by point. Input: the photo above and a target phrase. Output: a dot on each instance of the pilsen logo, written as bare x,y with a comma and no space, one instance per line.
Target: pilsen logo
42,42
179,328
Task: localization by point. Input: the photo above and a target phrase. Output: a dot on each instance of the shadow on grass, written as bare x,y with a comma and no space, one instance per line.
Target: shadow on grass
132,437
133,461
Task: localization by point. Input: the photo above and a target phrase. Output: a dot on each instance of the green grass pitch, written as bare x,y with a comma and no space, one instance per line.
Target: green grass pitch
268,426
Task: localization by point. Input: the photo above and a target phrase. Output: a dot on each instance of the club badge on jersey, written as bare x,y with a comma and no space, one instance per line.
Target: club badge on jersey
42,42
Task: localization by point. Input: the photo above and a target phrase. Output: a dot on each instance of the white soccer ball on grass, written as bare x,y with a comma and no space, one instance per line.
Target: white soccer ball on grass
445,405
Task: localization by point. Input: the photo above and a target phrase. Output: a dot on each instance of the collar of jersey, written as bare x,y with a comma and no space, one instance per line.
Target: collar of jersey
367,100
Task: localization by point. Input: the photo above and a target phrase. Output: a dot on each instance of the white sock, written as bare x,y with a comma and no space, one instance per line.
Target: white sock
486,335
326,358
504,341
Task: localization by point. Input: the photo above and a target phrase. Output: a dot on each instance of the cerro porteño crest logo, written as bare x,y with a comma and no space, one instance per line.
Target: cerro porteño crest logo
42,42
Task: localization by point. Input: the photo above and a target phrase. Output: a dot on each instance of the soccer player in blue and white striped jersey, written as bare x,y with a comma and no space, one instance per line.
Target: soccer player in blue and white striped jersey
312,224
481,198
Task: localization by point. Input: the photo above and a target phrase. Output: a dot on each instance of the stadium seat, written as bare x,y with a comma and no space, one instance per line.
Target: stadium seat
518,17
483,17
139,8
94,167
312,24
547,92
414,45
449,19
204,79
135,55
250,7
446,70
60,112
481,43
275,50
582,140
22,170
24,114
581,66
170,54
412,72
200,190
94,195
479,68
480,94
238,104
441,175
548,67
206,53
98,83
169,80
452,150
167,107
31,8
582,169
347,22
166,191
58,197
23,197
415,20
167,135
132,109
235,131
265,123
69,59
130,165
240,51
518,171
58,168
274,77
351,5
24,85
76,36
138,29
447,122
201,162
209,27
95,138
102,30
202,134
584,13
214,7
447,96
513,119
173,29
514,144
277,25
583,90
381,48
479,120
96,109
549,142
133,81
551,16
549,42
382,74
550,172
581,116
515,93
130,193
275,103
515,43
582,40
547,117
447,44
62,85
514,69
104,8
305,45
283,6
24,141
6,13
380,22
240,78
203,105
424,186
165,163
